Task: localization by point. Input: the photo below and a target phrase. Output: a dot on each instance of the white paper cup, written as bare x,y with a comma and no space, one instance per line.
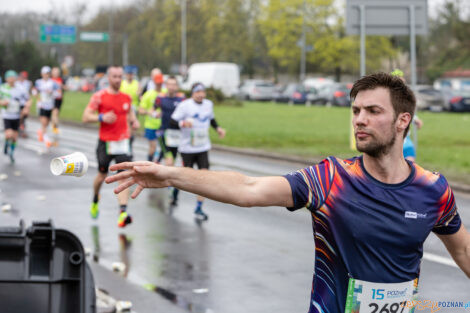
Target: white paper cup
75,164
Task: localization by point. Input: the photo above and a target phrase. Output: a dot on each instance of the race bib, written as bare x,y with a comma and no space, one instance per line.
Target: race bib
46,97
367,297
118,147
199,137
172,137
13,106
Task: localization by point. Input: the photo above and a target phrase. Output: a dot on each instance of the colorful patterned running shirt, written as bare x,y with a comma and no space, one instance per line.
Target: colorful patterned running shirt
368,230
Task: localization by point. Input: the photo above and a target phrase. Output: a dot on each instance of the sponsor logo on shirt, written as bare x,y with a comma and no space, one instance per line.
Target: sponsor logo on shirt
415,215
125,106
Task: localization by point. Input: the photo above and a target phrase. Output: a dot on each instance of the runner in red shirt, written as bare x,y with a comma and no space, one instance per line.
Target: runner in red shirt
113,110
58,98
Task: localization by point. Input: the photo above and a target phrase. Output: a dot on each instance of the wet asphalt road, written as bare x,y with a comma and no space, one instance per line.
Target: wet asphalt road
241,260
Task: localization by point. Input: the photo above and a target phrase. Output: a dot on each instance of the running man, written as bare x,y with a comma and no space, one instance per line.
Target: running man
371,214
46,88
58,99
165,105
26,84
151,83
10,100
195,116
112,109
152,119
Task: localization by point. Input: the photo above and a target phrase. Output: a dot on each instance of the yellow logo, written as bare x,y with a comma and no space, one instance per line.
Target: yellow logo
70,168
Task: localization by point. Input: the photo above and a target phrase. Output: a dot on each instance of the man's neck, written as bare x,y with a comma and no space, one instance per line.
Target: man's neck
391,168
112,91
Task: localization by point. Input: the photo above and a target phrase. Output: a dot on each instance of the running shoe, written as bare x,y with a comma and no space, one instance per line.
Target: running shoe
200,215
48,144
55,130
124,219
40,136
94,210
5,147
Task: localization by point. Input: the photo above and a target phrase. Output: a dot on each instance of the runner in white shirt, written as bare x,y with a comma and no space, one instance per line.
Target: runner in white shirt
194,116
10,101
46,88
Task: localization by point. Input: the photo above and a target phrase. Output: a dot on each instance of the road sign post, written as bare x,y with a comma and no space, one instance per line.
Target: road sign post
387,17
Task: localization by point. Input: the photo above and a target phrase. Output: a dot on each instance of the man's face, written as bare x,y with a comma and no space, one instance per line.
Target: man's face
55,72
374,121
171,86
11,80
198,96
115,77
46,75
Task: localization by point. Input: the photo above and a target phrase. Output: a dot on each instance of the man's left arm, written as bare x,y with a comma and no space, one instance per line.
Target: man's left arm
132,118
458,245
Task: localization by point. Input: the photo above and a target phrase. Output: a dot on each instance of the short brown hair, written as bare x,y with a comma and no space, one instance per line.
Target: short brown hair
402,98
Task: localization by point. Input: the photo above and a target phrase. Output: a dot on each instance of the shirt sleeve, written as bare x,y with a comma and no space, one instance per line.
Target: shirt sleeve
179,114
311,186
448,221
95,102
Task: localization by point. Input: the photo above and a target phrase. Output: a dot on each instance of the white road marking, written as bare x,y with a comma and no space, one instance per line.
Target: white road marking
439,259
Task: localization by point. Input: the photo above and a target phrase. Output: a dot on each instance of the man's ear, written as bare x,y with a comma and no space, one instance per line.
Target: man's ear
403,120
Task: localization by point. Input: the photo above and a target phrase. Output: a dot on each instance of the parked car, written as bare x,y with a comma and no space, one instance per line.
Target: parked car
336,94
429,98
220,75
460,102
254,89
293,94
317,82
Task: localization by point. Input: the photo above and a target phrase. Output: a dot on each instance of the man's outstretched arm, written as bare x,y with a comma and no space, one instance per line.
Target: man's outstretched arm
458,245
228,187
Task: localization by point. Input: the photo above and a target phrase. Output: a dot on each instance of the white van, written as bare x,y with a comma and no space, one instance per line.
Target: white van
220,75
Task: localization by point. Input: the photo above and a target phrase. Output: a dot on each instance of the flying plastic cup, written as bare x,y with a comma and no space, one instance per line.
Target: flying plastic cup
75,164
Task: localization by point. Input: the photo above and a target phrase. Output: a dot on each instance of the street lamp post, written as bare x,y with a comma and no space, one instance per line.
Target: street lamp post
183,33
302,53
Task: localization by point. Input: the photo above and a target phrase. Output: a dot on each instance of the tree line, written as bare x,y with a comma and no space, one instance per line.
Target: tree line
261,36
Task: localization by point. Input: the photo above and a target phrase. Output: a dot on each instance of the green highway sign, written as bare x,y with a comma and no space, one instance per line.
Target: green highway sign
94,36
49,33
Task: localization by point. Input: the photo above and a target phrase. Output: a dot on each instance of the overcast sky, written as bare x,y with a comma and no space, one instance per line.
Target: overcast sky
43,6
94,5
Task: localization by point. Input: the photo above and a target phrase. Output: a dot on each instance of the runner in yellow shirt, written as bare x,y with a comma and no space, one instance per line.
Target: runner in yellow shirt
152,118
131,87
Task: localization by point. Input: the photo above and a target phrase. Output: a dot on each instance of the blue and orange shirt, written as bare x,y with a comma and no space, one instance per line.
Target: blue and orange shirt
366,229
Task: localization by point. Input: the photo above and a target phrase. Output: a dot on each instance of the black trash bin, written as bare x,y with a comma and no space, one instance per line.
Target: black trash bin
44,270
